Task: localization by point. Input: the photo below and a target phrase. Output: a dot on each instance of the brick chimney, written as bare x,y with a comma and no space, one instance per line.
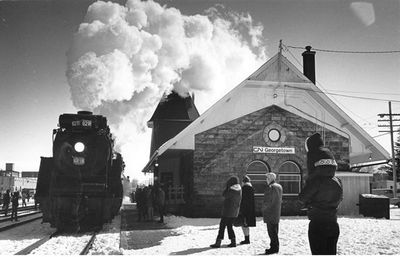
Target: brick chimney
9,166
309,64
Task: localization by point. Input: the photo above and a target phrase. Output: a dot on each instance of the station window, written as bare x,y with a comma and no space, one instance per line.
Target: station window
290,178
256,172
166,179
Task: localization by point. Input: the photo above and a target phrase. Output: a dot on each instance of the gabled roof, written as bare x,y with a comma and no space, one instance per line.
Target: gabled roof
280,83
278,68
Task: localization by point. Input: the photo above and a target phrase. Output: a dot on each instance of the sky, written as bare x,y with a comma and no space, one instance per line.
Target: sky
118,59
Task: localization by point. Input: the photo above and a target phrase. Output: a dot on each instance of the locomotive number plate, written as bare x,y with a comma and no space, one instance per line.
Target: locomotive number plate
81,123
78,160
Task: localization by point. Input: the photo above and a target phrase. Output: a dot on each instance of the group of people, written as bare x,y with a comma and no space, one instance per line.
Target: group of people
150,199
12,198
321,195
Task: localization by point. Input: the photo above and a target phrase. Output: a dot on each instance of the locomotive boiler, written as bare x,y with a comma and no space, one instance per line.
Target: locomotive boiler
80,187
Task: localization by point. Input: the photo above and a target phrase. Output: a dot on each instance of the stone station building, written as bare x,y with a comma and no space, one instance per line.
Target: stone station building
258,127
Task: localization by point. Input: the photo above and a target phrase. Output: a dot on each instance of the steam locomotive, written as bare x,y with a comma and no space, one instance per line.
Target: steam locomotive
80,188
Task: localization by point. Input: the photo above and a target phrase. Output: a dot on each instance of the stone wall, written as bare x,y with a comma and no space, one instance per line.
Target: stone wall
228,149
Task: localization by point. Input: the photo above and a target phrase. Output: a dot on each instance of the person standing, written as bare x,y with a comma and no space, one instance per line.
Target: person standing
6,202
272,211
14,202
247,209
160,202
230,210
35,200
149,194
322,195
140,199
23,197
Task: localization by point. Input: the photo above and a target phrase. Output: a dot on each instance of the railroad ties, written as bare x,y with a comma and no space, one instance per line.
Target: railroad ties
45,239
25,215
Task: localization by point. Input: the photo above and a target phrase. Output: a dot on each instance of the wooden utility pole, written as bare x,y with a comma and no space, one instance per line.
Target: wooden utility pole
390,114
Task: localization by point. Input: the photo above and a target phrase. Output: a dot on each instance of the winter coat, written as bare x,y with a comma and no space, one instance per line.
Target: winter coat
6,198
272,203
323,191
247,205
14,200
322,195
148,195
139,197
232,197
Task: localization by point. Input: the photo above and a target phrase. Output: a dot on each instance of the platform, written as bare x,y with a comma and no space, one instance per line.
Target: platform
135,234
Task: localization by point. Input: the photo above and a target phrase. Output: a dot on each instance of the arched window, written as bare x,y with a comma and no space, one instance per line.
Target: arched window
290,178
256,172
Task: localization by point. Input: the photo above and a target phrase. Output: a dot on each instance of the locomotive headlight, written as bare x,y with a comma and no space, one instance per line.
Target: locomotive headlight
79,147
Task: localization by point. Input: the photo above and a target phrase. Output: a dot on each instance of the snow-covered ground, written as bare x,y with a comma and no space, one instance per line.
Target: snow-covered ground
358,236
16,239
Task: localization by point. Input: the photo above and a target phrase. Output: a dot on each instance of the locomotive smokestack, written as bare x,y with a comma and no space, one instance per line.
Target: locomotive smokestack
309,64
85,112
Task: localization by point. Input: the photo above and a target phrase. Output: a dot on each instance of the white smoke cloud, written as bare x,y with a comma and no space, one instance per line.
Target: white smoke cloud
124,58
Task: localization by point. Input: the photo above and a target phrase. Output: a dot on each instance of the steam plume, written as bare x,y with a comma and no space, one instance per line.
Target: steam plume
124,58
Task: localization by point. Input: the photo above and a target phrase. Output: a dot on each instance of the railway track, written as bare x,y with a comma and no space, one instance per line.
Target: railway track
55,243
35,245
25,215
22,215
20,209
20,223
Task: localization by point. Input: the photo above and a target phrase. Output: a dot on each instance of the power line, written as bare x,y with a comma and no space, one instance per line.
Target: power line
348,52
384,134
298,62
349,96
359,92
331,93
285,48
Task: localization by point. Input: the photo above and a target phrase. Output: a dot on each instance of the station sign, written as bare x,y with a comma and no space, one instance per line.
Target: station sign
273,150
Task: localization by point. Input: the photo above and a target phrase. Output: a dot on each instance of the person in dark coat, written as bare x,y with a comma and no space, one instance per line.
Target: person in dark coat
14,202
141,204
35,201
230,210
132,197
247,209
272,211
6,202
322,195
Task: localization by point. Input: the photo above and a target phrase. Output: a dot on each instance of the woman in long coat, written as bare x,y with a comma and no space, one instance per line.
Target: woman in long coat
232,197
247,209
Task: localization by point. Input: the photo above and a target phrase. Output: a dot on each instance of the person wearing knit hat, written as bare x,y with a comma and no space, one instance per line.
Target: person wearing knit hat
322,195
320,160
